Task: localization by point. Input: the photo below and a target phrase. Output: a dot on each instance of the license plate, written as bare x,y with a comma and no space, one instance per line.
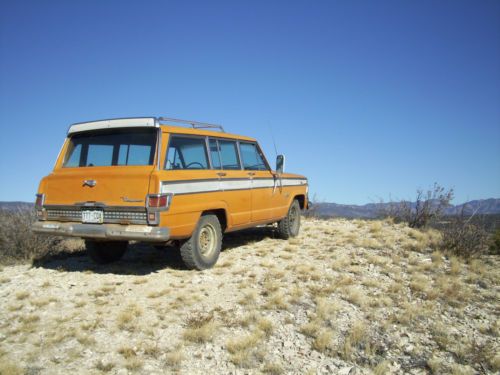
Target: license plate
92,216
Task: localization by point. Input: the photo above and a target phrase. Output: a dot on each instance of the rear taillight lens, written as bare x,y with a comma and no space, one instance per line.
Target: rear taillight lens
41,214
40,198
159,201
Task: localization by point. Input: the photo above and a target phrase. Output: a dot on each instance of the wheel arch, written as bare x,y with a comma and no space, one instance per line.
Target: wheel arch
302,200
221,215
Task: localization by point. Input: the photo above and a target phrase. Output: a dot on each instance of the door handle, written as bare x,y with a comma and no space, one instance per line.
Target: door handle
221,174
251,173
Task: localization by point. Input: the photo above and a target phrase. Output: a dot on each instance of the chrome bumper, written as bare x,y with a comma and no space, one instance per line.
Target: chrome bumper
104,231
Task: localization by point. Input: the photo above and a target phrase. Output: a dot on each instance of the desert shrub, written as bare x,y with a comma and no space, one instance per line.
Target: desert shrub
463,238
428,207
495,243
17,240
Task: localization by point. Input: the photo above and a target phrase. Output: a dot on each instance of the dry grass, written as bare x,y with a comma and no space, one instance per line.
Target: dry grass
127,352
358,332
382,368
311,329
273,368
276,301
323,340
200,328
347,290
22,295
134,363
244,351
265,325
127,319
174,358
8,367
356,296
455,265
104,366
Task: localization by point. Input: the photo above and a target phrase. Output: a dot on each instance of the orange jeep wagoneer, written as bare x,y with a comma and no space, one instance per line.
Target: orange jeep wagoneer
141,179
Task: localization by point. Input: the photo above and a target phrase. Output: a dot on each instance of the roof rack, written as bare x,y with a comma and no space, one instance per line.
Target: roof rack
194,124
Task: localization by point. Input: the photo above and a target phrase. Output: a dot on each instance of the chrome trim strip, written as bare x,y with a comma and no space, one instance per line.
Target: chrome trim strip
226,190
215,185
98,206
229,179
74,214
158,149
209,154
239,154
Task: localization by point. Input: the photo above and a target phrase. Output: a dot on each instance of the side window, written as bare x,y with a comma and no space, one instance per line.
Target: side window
214,153
229,155
186,153
251,158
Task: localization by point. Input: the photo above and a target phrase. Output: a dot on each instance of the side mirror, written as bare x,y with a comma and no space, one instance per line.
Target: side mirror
280,164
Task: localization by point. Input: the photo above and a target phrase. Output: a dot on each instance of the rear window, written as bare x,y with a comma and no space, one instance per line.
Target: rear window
111,147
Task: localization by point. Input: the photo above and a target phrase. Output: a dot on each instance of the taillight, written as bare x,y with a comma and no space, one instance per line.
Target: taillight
40,198
156,203
41,214
159,202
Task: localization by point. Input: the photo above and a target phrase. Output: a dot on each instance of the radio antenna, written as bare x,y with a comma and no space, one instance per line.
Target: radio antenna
274,142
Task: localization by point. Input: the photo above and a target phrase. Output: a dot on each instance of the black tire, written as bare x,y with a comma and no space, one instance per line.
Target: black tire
103,252
289,226
202,250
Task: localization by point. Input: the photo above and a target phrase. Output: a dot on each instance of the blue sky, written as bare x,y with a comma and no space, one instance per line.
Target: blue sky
369,99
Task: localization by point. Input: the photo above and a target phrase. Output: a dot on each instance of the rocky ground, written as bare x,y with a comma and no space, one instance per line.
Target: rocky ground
345,297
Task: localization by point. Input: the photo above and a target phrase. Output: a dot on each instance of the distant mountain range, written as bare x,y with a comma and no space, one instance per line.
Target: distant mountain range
373,210
366,211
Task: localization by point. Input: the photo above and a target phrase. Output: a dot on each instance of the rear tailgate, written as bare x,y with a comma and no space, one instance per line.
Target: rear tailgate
112,186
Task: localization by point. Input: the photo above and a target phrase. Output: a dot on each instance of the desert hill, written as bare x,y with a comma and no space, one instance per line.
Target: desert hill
345,297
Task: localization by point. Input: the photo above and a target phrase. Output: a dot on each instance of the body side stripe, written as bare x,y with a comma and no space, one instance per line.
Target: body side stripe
216,185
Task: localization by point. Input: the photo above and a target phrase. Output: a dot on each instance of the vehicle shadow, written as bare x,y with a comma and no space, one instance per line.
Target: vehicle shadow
140,259
143,259
247,237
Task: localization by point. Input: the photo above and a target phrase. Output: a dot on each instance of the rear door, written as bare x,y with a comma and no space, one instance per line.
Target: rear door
235,184
196,183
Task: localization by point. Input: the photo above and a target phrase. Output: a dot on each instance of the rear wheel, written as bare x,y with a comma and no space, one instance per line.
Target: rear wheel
289,226
202,250
103,252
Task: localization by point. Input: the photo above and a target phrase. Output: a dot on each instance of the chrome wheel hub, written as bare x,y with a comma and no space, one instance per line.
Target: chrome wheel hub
207,240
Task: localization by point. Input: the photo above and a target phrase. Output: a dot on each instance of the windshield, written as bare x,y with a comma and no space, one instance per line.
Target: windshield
111,147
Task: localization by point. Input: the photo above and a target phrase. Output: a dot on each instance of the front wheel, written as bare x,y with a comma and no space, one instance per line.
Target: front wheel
202,250
289,226
103,252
